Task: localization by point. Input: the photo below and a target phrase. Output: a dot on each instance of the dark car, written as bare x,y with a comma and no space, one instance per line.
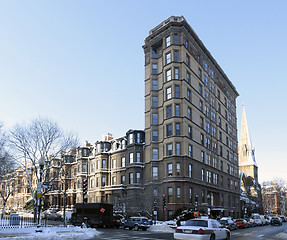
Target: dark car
229,224
242,223
276,221
137,223
53,216
117,221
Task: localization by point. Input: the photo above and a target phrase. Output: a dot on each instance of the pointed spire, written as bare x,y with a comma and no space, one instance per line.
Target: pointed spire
245,142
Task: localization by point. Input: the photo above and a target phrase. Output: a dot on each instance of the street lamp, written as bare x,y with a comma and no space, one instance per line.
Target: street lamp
39,187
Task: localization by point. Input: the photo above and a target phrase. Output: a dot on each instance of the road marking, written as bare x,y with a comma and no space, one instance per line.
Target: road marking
261,235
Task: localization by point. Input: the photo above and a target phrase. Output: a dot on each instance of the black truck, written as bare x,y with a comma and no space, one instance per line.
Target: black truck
93,214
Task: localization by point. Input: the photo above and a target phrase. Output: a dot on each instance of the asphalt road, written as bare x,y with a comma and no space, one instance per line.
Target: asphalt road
262,233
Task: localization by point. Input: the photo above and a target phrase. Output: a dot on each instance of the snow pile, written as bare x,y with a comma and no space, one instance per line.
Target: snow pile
163,227
53,233
282,235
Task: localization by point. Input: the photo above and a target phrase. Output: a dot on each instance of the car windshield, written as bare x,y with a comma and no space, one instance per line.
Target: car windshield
199,223
223,221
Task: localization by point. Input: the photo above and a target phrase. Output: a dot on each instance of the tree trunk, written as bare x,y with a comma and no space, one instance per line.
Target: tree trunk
3,211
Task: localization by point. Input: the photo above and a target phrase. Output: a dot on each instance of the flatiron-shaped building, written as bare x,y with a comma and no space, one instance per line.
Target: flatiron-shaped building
191,156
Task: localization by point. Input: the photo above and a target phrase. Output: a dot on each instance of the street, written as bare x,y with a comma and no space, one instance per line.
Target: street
263,233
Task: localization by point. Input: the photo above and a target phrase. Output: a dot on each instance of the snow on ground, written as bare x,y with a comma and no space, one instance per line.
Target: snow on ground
49,233
282,235
167,226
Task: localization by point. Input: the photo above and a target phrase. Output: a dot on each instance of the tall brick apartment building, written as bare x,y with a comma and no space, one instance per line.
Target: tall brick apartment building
190,124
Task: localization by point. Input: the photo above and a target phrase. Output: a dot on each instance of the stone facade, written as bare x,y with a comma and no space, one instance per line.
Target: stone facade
190,124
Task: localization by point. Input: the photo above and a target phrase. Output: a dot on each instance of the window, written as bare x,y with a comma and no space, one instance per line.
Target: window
177,148
189,150
154,118
167,41
138,157
202,156
188,113
201,122
202,174
176,56
168,93
199,73
169,130
123,163
113,180
154,172
138,177
154,154
178,192
188,77
169,149
177,168
131,178
187,60
98,182
154,53
200,89
177,129
103,181
84,167
176,73
186,44
200,105
202,139
168,75
169,193
154,101
168,58
114,163
131,157
155,193
175,39
176,91
189,170
154,136
189,132
154,84
177,110
154,68
168,111
188,95
104,163
169,169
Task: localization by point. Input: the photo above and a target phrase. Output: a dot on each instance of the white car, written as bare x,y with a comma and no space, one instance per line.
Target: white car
203,229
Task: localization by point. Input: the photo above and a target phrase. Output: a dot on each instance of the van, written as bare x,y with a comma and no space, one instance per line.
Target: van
257,219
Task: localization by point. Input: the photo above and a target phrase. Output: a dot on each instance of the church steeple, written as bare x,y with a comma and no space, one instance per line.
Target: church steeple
247,163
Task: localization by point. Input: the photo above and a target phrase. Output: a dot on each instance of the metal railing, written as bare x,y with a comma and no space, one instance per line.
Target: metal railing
16,221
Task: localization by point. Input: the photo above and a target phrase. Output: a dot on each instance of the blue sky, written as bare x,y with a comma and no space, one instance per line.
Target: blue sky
81,63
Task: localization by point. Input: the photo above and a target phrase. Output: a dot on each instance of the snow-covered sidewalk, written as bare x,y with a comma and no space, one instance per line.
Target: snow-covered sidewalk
49,233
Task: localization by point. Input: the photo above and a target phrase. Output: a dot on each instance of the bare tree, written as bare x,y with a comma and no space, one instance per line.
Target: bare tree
6,166
34,144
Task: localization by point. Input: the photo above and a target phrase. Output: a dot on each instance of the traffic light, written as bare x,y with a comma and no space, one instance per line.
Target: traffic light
85,186
163,200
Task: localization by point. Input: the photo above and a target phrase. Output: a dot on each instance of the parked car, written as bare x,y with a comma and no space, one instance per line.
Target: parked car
283,218
137,223
276,221
201,228
251,222
53,216
258,220
242,223
117,221
228,223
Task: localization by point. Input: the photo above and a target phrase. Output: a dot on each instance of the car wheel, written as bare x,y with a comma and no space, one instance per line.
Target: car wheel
212,237
136,227
227,236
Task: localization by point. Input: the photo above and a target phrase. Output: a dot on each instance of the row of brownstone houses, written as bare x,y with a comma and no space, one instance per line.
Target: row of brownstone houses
188,151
